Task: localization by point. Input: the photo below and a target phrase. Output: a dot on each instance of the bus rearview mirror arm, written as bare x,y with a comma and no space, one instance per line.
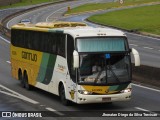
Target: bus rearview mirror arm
75,59
136,57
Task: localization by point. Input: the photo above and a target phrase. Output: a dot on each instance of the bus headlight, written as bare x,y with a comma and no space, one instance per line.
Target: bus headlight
126,90
84,92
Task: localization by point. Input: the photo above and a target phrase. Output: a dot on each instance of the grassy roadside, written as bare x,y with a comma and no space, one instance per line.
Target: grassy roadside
27,2
142,19
103,6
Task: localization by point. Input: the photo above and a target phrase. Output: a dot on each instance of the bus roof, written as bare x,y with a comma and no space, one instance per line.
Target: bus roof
90,31
76,29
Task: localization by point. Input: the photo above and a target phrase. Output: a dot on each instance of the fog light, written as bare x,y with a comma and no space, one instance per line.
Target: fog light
84,92
126,90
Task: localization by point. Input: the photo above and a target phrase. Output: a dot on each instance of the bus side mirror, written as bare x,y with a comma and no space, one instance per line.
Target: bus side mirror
75,59
136,57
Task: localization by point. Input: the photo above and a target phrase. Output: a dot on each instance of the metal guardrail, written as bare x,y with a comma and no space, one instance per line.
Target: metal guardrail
146,74
7,32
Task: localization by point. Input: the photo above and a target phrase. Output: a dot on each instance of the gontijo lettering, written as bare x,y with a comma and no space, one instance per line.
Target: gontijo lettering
29,56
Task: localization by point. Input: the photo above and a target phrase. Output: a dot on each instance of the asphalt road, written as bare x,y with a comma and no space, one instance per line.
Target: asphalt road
143,99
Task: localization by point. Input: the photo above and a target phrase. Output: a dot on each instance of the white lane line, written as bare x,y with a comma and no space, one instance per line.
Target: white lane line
141,109
54,13
146,87
62,9
17,95
53,110
145,110
5,39
133,44
42,105
8,62
143,36
148,48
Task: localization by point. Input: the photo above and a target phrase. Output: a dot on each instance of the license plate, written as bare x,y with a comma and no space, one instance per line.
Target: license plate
106,99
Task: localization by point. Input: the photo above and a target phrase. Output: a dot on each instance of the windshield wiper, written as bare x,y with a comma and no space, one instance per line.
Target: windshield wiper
113,73
99,74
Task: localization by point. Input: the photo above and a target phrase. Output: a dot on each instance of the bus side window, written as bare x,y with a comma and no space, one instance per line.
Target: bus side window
60,40
70,49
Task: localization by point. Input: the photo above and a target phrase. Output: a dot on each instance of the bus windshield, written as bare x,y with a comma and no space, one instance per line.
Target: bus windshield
104,68
101,44
104,60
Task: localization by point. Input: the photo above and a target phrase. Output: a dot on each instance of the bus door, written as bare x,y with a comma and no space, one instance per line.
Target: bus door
71,74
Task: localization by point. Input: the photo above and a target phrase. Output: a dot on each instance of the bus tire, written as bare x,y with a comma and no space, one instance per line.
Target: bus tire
26,84
109,103
63,96
20,77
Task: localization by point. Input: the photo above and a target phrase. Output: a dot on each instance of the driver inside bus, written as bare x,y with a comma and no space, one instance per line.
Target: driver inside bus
96,68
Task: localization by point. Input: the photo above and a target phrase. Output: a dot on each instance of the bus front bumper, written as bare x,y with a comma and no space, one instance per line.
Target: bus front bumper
84,99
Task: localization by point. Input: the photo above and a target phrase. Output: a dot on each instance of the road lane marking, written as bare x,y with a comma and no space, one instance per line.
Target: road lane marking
145,110
138,34
22,97
141,109
53,110
133,44
5,40
144,36
146,87
148,48
62,9
17,95
8,62
53,13
42,105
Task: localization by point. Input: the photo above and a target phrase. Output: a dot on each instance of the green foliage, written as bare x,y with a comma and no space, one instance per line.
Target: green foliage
103,6
27,2
143,19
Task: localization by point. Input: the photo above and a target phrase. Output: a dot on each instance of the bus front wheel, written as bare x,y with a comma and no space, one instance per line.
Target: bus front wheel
63,96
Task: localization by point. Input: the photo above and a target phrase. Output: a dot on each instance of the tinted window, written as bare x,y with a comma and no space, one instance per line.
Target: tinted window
70,49
42,41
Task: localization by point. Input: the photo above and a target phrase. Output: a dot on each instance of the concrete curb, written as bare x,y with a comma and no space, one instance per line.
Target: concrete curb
125,7
79,13
90,11
132,31
146,74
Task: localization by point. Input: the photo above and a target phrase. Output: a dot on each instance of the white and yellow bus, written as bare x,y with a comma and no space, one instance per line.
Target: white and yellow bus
61,57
